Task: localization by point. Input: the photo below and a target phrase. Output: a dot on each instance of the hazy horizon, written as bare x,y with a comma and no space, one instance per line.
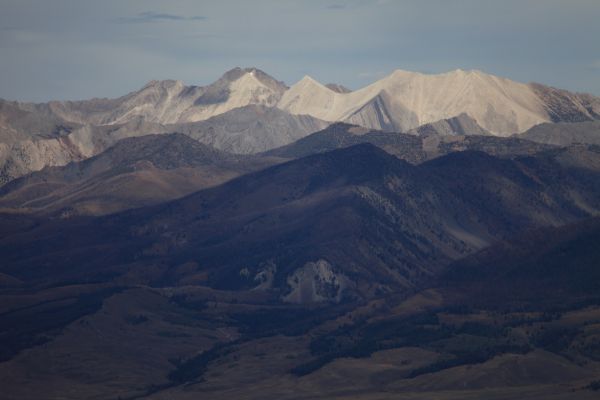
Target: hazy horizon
69,50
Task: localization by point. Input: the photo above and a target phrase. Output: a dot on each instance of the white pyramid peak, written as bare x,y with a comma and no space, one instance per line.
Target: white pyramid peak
308,96
307,78
310,81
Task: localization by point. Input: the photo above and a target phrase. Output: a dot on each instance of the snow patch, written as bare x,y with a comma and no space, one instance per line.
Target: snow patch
265,275
316,282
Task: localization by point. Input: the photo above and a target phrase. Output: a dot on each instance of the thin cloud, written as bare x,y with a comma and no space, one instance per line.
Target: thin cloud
336,7
151,16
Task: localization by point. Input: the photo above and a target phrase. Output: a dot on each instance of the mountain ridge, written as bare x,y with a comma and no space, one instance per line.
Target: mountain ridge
33,136
535,103
133,172
314,270
499,105
392,223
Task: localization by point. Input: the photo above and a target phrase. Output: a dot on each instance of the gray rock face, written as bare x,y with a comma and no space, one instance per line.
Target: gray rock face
457,126
19,122
20,157
316,282
245,130
564,134
412,148
33,136
564,106
135,172
251,129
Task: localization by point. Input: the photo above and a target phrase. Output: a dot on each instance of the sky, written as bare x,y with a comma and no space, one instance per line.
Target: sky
79,49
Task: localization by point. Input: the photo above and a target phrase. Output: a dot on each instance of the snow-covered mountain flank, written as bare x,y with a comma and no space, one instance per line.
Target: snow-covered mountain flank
405,100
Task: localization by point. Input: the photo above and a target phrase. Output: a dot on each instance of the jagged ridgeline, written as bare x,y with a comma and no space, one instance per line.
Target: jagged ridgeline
247,111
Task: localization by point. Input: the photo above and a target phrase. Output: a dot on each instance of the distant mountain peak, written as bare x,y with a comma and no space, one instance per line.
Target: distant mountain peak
239,72
308,80
465,71
165,84
403,72
457,71
151,83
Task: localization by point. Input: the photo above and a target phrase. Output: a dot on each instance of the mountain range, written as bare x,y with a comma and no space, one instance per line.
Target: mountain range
247,111
343,261
427,236
400,220
136,171
144,170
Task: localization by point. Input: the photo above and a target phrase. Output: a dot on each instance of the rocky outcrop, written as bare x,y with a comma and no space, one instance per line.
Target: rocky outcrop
564,106
251,129
316,282
456,126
